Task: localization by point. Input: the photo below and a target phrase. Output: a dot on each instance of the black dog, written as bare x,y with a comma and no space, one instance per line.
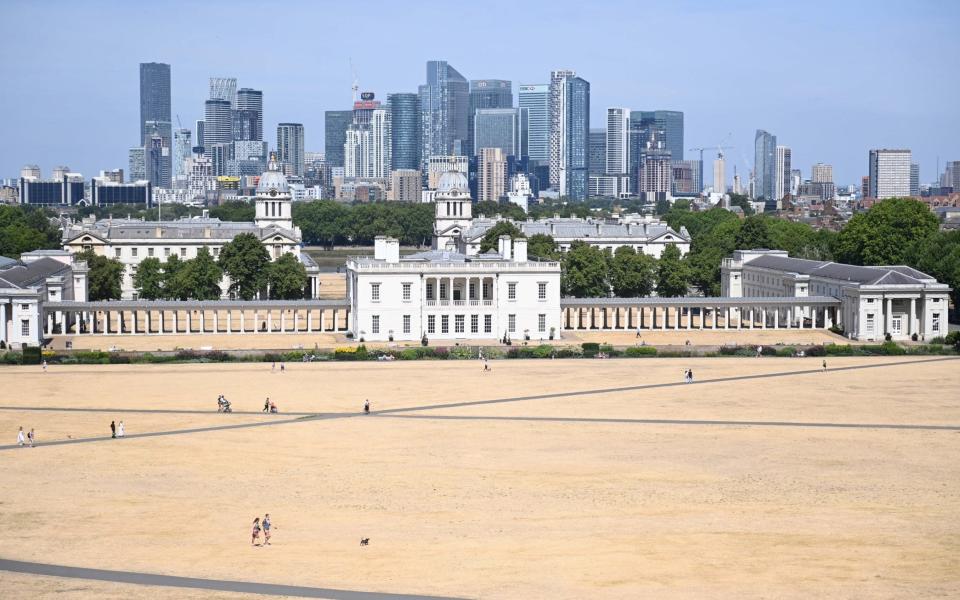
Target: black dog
364,541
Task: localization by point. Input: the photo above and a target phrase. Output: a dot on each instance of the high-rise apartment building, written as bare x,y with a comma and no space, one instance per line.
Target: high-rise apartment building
444,107
783,184
137,164
669,124
224,88
557,115
889,173
618,141
485,94
491,174
535,99
382,148
154,95
244,125
405,185
765,165
821,173
182,151
358,151
405,130
686,178
217,123
656,172
290,146
499,128
336,123
574,136
199,128
915,180
597,152
719,174
252,100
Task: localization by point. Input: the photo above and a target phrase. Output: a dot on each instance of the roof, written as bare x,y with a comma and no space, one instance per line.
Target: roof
574,228
883,275
6,261
124,229
21,276
706,301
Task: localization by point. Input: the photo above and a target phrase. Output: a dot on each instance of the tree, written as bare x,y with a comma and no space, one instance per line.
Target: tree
287,278
631,273
245,260
542,246
584,272
489,208
882,235
673,278
104,276
753,233
24,229
234,210
743,202
491,238
199,278
148,280
171,280
323,222
662,206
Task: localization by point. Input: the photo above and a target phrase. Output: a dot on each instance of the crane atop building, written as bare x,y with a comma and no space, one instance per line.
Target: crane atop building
355,86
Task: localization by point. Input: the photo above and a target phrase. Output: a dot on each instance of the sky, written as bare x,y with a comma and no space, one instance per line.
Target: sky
830,79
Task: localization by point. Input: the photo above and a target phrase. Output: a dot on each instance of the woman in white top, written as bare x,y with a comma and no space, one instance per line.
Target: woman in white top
120,429
20,439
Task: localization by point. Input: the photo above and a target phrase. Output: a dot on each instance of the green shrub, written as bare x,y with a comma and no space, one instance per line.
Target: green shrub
640,351
938,340
839,350
543,351
492,353
590,349
11,358
569,352
786,351
768,351
409,354
729,350
462,353
31,355
836,329
815,351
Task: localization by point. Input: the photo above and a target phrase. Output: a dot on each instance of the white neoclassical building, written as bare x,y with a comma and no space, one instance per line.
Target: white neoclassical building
874,301
131,241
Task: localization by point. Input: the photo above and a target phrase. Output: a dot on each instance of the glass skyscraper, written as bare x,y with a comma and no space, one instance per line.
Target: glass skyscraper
499,128
598,151
405,123
535,98
486,93
765,166
154,95
575,138
670,122
252,100
444,105
290,146
336,123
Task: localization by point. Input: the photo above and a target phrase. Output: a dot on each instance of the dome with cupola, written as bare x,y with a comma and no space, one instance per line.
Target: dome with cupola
273,182
453,181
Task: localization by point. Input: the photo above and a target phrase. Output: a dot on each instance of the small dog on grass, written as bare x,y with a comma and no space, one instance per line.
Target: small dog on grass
364,541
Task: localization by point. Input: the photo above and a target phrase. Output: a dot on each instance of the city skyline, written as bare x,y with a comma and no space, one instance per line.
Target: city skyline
830,104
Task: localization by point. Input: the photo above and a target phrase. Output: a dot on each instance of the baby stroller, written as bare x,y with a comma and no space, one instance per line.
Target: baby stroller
223,405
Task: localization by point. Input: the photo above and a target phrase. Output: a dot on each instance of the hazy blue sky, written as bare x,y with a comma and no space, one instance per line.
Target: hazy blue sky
830,79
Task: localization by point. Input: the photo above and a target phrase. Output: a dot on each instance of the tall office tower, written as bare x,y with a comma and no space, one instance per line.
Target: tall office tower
217,123
499,128
444,106
491,174
765,165
357,151
154,95
889,173
290,146
252,100
719,174
686,178
557,114
656,172
574,137
405,184
597,159
951,175
485,93
364,107
224,88
336,123
182,151
618,141
158,153
244,125
405,130
783,173
201,126
137,165
821,173
915,180
381,143
669,122
535,99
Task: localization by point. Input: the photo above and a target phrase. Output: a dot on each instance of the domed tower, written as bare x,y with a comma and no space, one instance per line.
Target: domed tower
274,203
454,210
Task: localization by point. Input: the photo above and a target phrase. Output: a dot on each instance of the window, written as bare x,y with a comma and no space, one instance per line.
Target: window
458,324
183,251
473,291
542,323
375,324
445,324
542,290
406,292
150,251
488,323
935,325
25,327
375,292
116,252
512,290
133,252
474,323
406,323
216,251
512,323
431,323
443,289
896,325
24,307
166,251
870,323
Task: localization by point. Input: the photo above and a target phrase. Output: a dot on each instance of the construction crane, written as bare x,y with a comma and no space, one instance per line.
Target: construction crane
355,86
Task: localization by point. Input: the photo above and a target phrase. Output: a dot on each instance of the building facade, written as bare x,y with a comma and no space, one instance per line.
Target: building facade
444,108
782,186
535,99
491,174
485,94
889,173
336,123
405,130
290,146
765,165
574,137
154,94
252,100
617,141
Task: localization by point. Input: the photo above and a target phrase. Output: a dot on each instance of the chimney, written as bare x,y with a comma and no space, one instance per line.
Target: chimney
629,228
392,250
553,229
159,231
380,247
206,232
520,250
504,246
206,214
599,225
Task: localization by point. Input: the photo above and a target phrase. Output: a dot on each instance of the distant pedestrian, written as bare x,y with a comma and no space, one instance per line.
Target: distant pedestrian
638,331
282,367
20,437
255,536
824,364
120,429
44,366
31,437
689,375
759,351
113,429
266,404
366,407
266,529
273,367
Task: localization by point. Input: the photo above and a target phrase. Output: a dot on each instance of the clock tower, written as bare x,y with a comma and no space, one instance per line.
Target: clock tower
274,203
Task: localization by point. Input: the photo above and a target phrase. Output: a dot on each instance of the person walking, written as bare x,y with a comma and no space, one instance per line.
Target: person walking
366,407
44,366
266,529
273,367
113,429
824,364
255,535
689,375
266,405
283,367
31,437
20,437
120,429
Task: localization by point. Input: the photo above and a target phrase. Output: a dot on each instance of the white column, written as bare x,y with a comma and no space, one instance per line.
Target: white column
160,329
242,329
739,318
216,320
321,320
763,318
283,317
776,318
176,319
106,322
203,321
714,311
689,317
310,321
912,328
270,321
665,317
703,316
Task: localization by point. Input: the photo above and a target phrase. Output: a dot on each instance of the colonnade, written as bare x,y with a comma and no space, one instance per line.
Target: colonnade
666,316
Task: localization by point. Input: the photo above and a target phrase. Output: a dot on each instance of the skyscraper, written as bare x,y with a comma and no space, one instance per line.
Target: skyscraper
557,86
498,128
669,122
182,150
137,165
444,105
336,123
656,172
915,180
252,100
574,137
765,165
686,178
889,173
783,173
380,129
224,88
821,173
535,99
719,174
244,125
618,141
357,151
486,93
290,146
405,130
491,174
217,123
154,95
201,127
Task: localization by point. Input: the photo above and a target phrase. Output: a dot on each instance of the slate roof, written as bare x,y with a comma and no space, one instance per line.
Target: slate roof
564,228
21,276
123,229
893,275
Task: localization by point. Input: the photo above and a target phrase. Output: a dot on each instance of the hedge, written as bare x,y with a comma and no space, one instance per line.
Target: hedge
640,351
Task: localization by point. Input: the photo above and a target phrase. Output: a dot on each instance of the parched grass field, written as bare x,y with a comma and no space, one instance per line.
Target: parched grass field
767,478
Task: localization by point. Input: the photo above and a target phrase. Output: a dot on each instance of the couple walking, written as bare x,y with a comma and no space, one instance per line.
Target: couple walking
29,438
265,525
116,430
